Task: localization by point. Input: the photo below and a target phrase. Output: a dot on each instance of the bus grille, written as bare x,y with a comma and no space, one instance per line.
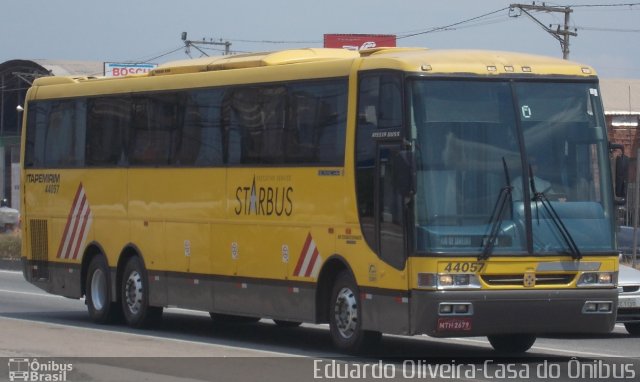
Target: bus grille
518,279
39,249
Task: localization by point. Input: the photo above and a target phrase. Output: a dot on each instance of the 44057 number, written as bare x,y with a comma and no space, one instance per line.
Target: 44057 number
462,267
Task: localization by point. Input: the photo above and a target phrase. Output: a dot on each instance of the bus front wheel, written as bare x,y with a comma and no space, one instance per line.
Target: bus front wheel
512,343
135,296
345,317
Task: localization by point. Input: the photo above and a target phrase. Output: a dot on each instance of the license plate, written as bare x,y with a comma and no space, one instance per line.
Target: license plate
629,302
454,324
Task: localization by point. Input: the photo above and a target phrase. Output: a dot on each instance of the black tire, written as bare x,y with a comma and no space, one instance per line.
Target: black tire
512,343
633,328
98,293
345,313
287,324
230,319
134,293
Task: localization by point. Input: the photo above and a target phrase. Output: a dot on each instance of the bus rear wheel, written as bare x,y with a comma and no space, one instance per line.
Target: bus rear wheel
98,293
135,296
512,343
345,317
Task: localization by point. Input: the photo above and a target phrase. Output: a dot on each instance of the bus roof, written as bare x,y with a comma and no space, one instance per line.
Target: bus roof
473,62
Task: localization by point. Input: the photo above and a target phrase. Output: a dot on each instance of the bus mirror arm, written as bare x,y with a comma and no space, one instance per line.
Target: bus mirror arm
404,168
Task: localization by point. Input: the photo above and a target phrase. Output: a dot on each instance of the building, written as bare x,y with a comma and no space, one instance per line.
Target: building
16,77
621,99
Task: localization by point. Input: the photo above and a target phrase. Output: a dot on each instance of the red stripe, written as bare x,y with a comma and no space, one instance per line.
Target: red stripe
314,258
74,231
85,220
305,249
66,228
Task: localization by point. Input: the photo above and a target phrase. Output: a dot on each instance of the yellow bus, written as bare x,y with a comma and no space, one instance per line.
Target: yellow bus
392,190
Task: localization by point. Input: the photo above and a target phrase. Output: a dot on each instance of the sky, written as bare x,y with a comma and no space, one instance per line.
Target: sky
149,30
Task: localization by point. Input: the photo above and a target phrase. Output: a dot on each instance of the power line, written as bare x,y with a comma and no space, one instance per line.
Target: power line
448,27
275,41
604,5
560,34
597,29
143,61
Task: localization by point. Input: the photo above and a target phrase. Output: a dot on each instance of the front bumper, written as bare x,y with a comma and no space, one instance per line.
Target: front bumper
512,311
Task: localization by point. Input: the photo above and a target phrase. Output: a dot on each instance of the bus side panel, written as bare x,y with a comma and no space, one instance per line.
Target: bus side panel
189,254
171,215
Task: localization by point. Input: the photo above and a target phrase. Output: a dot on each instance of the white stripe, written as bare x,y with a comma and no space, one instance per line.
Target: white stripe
65,249
73,242
307,258
86,232
77,241
316,267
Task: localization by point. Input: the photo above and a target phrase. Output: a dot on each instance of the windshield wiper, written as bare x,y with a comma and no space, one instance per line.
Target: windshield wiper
496,215
557,221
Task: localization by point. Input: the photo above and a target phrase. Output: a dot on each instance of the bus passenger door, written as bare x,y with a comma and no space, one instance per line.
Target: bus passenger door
390,209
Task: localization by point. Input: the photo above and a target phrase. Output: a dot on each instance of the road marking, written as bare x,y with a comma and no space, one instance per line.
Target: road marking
148,336
544,348
30,293
11,272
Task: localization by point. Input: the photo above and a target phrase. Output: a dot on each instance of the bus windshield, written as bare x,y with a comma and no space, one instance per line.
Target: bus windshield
489,151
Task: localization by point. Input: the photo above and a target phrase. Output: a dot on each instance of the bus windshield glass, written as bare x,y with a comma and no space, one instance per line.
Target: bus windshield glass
489,152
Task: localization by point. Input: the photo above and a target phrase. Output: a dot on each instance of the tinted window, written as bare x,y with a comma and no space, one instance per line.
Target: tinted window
108,120
154,119
285,124
256,124
199,142
56,134
379,107
316,128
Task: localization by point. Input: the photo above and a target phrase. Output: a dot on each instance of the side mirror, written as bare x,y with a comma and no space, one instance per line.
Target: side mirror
404,169
622,177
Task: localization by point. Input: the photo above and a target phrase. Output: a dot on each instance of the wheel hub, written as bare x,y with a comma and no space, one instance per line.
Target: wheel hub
346,312
133,292
98,289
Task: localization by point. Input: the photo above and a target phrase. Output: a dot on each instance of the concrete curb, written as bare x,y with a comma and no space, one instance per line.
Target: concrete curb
11,265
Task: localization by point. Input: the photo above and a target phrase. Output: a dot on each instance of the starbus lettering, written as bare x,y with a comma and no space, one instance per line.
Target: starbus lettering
264,201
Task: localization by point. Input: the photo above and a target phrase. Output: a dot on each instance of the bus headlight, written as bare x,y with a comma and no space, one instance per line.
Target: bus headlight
448,281
597,279
458,281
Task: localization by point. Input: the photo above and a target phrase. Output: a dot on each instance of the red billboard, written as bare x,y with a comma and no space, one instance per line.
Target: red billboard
359,41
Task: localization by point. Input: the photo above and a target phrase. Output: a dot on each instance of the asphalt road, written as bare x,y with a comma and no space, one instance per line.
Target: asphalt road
187,346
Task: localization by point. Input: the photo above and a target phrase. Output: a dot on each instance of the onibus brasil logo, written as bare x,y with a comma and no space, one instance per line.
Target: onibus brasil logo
31,370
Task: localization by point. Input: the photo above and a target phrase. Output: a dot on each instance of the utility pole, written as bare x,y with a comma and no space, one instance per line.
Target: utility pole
561,34
188,44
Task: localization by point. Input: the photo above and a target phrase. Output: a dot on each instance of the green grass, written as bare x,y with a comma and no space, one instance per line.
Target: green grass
10,245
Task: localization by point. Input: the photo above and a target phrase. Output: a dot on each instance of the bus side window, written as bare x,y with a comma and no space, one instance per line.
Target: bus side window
199,141
107,120
154,118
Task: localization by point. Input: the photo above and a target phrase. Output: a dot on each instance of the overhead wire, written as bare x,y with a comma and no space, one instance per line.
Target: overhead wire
449,26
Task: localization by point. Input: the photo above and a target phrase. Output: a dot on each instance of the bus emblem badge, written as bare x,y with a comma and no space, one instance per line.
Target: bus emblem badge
529,279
